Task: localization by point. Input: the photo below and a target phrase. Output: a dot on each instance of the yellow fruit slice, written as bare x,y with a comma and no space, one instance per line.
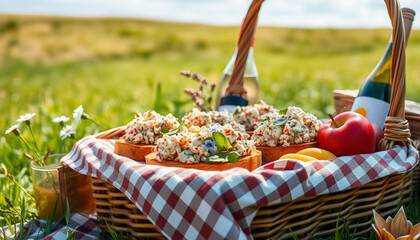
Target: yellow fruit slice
300,157
317,153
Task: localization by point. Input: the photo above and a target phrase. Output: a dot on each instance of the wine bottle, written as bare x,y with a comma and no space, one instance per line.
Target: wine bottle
374,96
250,79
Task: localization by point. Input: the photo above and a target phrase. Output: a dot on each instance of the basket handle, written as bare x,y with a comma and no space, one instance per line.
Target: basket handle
246,34
396,127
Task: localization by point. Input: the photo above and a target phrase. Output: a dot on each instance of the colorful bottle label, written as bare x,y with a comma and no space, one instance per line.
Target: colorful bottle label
373,109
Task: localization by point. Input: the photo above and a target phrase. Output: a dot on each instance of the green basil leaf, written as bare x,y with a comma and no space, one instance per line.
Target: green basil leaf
233,157
283,111
266,120
298,132
171,132
221,141
237,111
217,157
280,122
189,154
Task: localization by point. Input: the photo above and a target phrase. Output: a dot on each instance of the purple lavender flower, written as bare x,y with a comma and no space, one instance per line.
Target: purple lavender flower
209,145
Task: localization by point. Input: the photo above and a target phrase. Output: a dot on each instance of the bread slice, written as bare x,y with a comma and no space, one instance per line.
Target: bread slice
271,154
131,150
250,163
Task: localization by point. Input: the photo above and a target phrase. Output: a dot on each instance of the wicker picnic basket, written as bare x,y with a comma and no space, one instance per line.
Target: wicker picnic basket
343,100
308,217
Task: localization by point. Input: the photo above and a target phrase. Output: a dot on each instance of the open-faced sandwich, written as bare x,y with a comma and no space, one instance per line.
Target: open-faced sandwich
142,133
251,116
206,148
207,119
285,132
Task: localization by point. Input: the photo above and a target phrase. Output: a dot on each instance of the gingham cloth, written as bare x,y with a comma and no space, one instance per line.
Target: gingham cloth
194,204
81,226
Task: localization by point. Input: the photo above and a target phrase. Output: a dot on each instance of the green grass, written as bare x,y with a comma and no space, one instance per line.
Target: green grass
113,67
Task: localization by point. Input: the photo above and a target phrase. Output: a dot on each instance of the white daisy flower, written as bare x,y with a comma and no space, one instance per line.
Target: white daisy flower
26,117
67,131
61,119
13,128
77,114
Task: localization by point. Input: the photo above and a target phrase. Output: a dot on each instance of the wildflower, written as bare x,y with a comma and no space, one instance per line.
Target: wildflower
61,119
212,87
77,114
26,118
196,76
214,128
67,131
189,91
186,73
204,81
14,129
209,145
395,228
199,96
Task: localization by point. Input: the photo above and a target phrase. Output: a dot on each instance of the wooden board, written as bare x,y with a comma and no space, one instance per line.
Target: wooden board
249,162
133,151
270,154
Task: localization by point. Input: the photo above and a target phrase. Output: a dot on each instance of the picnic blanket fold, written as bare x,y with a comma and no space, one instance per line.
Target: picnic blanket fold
194,204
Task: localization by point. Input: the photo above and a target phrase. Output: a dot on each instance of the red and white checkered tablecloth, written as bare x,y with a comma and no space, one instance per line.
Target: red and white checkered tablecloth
194,204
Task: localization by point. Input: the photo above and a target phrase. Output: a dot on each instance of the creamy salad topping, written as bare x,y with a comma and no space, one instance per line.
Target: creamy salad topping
221,118
199,118
250,116
204,144
148,127
293,127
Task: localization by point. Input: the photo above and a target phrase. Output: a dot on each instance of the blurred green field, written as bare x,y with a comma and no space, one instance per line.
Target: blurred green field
51,65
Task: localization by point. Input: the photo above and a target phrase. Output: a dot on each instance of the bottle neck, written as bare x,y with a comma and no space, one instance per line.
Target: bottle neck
250,63
384,64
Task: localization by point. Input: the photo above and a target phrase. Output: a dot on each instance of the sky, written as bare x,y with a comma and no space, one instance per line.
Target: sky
289,13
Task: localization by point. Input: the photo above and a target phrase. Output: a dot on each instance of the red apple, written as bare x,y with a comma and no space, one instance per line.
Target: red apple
379,134
350,133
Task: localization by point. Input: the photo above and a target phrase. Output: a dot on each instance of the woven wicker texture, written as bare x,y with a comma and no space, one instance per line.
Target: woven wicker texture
308,217
343,100
396,128
116,210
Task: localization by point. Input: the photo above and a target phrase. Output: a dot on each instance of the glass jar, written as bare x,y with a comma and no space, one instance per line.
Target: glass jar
47,190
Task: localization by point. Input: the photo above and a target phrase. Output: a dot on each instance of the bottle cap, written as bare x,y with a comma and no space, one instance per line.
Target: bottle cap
408,17
408,13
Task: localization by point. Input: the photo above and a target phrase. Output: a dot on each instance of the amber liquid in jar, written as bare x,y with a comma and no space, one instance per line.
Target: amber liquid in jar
47,191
